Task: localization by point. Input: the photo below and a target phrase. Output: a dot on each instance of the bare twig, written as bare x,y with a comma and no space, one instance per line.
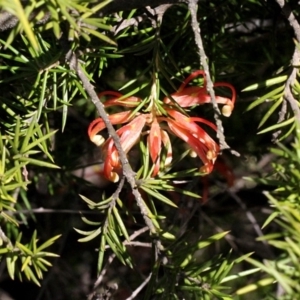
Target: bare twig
42,210
127,170
121,5
290,82
137,291
281,117
155,15
286,10
5,239
288,95
210,86
113,201
252,220
127,23
112,256
228,237
203,60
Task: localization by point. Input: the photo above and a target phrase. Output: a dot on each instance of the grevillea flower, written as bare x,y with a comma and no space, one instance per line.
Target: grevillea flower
184,127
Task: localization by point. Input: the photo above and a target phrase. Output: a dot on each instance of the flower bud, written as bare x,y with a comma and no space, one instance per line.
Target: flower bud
226,110
98,139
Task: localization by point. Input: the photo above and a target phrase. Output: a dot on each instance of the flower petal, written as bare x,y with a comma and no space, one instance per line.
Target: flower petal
111,161
189,96
166,140
130,133
98,125
154,140
187,123
206,148
193,95
229,105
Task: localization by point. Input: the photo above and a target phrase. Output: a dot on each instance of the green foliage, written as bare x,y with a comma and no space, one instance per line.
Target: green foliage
33,63
111,229
17,148
276,98
52,14
284,269
183,252
27,259
186,276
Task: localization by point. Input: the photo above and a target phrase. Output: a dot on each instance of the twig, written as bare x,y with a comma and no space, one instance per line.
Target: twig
286,10
42,210
210,86
112,256
288,95
228,237
135,244
137,291
127,170
127,23
287,90
203,58
113,201
5,239
281,117
252,220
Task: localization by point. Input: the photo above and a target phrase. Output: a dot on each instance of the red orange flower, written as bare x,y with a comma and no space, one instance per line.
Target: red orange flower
182,126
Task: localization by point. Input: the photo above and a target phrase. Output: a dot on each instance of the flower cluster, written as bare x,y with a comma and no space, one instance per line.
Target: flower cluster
158,125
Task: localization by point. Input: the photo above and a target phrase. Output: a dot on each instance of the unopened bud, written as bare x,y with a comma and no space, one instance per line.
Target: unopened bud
114,177
226,110
98,139
193,153
211,154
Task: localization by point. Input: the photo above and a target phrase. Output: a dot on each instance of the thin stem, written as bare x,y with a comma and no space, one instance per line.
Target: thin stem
112,204
281,117
112,256
210,86
127,170
137,291
5,239
288,95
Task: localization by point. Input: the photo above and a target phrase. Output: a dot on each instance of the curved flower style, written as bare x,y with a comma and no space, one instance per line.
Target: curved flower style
192,95
182,126
187,129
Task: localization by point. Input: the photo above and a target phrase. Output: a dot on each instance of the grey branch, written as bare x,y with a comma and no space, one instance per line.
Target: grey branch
210,86
138,290
5,239
288,95
127,170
